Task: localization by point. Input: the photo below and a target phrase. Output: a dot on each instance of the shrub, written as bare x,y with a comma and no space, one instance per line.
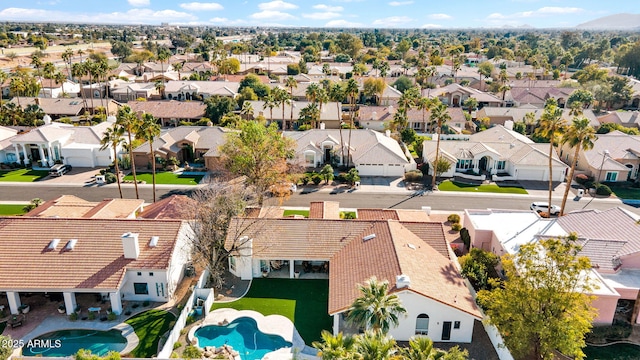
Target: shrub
413,176
111,316
190,320
135,305
73,316
616,331
127,313
453,218
316,178
465,237
347,215
92,316
479,267
145,303
176,345
110,178
582,178
304,127
191,352
602,189
456,227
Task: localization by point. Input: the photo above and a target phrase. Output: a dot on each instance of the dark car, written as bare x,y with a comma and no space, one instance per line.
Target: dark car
59,169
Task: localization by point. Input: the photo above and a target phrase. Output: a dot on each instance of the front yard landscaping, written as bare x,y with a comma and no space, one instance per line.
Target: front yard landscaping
305,302
150,326
23,175
449,185
288,213
167,178
11,209
625,190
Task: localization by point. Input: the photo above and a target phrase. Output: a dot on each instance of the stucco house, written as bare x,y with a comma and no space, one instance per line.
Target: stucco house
70,206
118,259
50,88
610,238
455,95
497,153
200,90
629,119
615,157
411,254
377,118
171,112
330,116
500,115
371,152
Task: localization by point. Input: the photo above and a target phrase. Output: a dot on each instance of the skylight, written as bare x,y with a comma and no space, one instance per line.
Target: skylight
53,244
411,246
369,237
71,244
154,241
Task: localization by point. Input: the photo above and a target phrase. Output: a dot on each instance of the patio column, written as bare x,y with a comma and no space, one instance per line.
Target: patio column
43,159
336,324
70,302
24,154
17,152
14,301
116,302
292,265
51,155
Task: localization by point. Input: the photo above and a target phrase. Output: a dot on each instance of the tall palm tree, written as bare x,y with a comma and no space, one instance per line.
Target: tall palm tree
336,93
281,96
376,346
440,116
129,121
551,122
581,136
177,67
423,104
335,347
312,92
322,98
67,56
291,83
60,78
91,69
247,109
78,70
421,348
163,55
376,309
270,103
351,90
3,77
147,130
113,138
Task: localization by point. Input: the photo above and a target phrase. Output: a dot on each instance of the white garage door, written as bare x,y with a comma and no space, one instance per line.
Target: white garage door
79,161
532,174
103,161
370,169
393,170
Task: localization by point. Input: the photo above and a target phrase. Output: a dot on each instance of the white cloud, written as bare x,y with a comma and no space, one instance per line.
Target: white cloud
439,16
400,3
277,5
322,15
139,3
328,7
225,21
272,15
200,6
133,16
542,12
393,21
431,26
342,23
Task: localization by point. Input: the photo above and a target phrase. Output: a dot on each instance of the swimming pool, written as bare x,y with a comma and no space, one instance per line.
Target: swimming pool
243,335
68,342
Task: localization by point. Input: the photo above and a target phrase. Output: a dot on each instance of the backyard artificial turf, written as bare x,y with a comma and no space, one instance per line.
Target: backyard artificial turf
487,188
167,178
23,175
150,326
305,302
11,209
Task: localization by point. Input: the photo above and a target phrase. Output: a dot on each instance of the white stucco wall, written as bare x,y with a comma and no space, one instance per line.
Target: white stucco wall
179,258
438,313
158,277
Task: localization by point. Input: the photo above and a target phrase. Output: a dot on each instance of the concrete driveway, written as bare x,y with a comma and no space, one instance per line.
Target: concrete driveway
382,184
77,176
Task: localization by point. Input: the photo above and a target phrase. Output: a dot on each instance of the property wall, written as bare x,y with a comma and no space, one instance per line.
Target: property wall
159,278
606,306
438,313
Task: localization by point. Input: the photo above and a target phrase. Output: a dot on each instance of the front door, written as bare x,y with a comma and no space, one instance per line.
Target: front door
446,330
327,155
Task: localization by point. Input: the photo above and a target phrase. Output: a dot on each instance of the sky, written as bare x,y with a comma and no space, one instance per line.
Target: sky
427,14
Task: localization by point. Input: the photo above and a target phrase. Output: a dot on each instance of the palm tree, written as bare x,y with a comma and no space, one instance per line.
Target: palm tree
336,93
113,137
270,103
281,96
163,55
67,56
424,104
312,92
147,130
291,83
36,62
60,78
3,77
322,98
335,347
177,67
551,122
129,121
247,109
34,203
78,70
376,346
91,69
581,136
420,348
376,309
351,90
440,116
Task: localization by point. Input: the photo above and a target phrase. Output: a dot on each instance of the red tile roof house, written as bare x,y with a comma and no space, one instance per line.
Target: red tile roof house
170,113
130,260
412,255
610,238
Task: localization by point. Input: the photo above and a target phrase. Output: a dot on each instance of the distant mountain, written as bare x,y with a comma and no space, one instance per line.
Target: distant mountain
614,22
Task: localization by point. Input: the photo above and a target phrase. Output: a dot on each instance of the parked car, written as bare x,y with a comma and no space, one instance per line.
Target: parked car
59,169
540,206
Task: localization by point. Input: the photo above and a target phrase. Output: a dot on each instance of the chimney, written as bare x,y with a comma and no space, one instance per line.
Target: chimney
387,133
130,245
374,115
321,126
508,124
403,281
46,119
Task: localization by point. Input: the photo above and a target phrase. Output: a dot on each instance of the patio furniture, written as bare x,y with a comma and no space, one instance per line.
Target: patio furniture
95,309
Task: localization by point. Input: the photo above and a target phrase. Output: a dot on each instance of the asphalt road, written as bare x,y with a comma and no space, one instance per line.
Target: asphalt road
438,201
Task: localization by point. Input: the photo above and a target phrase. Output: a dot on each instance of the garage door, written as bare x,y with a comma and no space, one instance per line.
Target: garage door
532,174
79,161
370,169
103,161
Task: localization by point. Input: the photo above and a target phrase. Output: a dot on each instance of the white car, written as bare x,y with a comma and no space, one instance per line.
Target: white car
540,206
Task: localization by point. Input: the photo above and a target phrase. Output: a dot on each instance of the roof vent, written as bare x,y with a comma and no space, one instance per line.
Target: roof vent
154,241
403,281
70,244
369,237
411,246
53,244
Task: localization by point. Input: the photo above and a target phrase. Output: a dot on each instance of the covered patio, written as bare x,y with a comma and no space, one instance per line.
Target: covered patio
302,269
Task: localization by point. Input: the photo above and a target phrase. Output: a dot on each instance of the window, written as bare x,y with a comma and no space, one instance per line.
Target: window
232,263
611,176
422,324
141,288
416,126
500,165
464,164
456,324
11,158
150,274
310,158
139,273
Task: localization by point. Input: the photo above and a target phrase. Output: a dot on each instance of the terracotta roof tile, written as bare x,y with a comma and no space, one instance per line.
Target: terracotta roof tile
179,207
377,214
170,109
97,261
324,210
69,206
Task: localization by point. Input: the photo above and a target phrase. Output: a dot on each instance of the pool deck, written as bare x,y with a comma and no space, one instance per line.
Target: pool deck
271,324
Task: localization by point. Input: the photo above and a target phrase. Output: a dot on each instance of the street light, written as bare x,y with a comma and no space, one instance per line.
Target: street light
605,154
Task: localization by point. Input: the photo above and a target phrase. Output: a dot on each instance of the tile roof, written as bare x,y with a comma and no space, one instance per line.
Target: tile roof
170,109
329,110
324,210
178,207
206,138
52,106
96,262
620,147
222,88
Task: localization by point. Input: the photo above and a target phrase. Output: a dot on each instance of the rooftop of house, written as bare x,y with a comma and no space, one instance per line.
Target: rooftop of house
94,261
170,109
481,96
625,118
222,88
177,207
519,113
331,111
620,147
66,134
52,106
205,138
70,206
385,113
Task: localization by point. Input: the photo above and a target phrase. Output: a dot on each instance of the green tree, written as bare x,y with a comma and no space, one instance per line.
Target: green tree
485,69
351,90
148,129
281,96
581,136
403,83
543,305
338,347
247,110
336,94
471,104
291,83
260,153
327,173
217,107
374,87
34,203
375,309
479,266
440,116
375,345
129,121
551,122
113,138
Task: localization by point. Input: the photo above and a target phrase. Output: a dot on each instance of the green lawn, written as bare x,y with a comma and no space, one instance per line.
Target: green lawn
150,326
23,175
449,185
168,178
11,209
305,302
304,213
624,191
612,352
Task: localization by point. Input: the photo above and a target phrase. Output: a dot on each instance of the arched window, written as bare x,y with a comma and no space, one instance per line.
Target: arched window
422,324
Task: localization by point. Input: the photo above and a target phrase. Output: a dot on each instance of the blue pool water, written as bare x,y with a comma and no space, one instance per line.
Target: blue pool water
68,342
243,335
